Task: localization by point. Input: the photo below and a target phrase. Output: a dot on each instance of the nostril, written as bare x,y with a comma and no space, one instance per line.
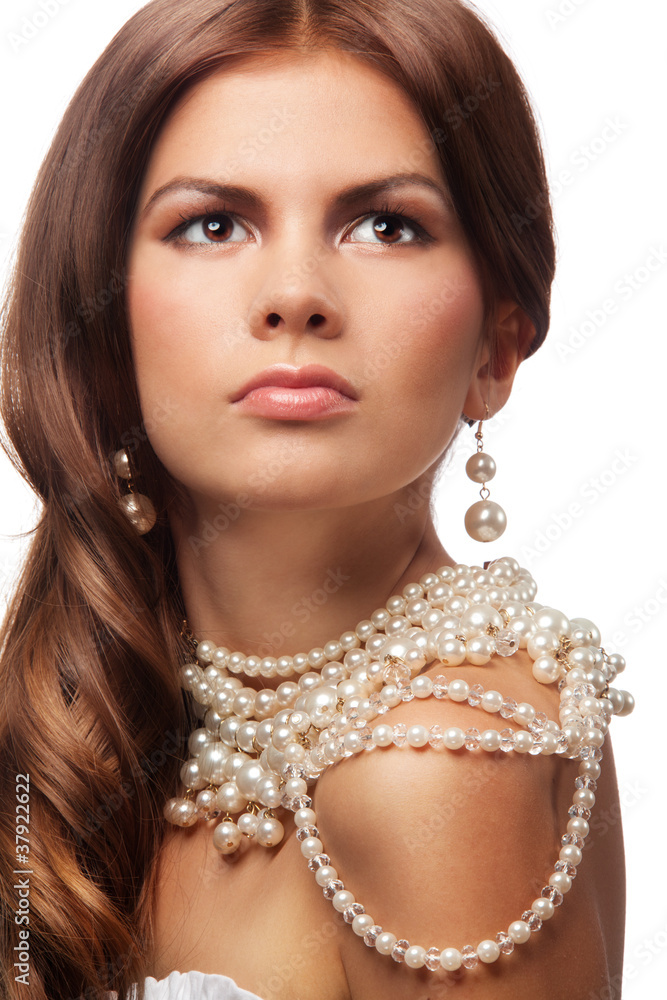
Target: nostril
317,319
274,319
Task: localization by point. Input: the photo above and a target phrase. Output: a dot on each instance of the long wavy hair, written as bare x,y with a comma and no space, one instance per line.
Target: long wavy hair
92,711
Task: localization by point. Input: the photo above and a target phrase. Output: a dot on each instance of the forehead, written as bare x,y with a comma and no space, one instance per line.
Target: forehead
293,112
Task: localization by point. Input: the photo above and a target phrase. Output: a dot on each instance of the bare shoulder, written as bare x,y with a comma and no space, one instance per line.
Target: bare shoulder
447,848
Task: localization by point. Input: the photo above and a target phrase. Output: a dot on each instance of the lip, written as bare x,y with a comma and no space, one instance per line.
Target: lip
287,377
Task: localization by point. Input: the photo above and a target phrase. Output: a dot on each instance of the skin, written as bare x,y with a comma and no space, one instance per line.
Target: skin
301,281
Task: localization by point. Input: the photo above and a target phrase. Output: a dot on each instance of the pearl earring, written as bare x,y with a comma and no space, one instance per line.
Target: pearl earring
138,508
485,520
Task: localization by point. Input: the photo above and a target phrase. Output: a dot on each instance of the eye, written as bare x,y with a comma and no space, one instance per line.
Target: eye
210,229
391,225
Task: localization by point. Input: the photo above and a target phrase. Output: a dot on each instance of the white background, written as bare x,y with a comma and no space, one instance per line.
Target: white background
583,426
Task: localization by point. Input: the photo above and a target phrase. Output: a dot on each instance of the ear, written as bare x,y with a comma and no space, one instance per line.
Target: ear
493,377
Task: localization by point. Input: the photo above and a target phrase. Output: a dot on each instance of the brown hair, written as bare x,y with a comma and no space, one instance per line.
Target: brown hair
92,709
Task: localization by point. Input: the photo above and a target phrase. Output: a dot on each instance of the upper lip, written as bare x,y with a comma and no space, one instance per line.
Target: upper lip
297,378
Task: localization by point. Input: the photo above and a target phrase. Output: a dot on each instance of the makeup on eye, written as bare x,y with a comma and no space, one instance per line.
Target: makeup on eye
217,222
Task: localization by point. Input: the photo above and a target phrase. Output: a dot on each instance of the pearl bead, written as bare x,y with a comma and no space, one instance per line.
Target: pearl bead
452,652
361,923
229,798
480,650
480,467
421,686
560,881
570,853
458,690
385,942
488,951
523,742
490,740
519,931
492,701
454,738
383,735
584,797
415,956
524,714
311,846
485,521
226,837
342,899
417,736
450,959
546,669
577,824
544,908
542,643
553,621
628,703
248,823
305,817
269,832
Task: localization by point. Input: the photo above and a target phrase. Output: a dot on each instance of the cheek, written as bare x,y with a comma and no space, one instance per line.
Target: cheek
429,333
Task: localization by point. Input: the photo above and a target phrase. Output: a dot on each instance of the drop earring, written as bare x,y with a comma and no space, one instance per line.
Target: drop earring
485,520
138,508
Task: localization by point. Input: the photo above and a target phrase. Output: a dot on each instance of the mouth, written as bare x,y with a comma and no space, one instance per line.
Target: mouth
309,377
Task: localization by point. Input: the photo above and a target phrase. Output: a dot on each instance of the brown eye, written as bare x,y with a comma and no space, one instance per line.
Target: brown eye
218,228
387,228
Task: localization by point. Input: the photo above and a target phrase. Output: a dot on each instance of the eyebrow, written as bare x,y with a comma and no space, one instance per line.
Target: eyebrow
344,199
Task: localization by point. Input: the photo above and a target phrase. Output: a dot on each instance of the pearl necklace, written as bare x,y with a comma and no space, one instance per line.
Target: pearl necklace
257,750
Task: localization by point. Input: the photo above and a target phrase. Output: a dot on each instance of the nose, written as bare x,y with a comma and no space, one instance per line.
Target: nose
296,297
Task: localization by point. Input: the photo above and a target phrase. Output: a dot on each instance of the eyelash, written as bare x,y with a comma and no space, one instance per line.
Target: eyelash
384,209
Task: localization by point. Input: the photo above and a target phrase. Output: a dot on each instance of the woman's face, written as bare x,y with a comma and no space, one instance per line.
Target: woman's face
255,244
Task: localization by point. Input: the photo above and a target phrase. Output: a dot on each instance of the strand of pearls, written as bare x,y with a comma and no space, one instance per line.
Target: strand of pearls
257,750
559,881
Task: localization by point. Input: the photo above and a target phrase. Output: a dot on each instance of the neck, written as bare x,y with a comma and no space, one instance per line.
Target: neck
276,583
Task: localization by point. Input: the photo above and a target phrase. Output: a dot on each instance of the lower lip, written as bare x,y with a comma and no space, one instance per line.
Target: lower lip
308,403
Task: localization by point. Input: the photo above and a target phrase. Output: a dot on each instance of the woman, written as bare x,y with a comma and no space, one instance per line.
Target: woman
336,194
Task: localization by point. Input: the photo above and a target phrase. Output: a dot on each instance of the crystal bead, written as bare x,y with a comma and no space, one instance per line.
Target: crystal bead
537,744
407,694
584,691
366,736
376,703
472,737
350,912
301,802
307,831
440,686
469,957
585,781
397,673
399,950
562,743
475,695
353,714
293,771
507,740
538,723
507,642
436,737
532,919
318,861
432,959
552,893
371,935
579,811
400,735
572,838
508,708
566,867
331,888
505,943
